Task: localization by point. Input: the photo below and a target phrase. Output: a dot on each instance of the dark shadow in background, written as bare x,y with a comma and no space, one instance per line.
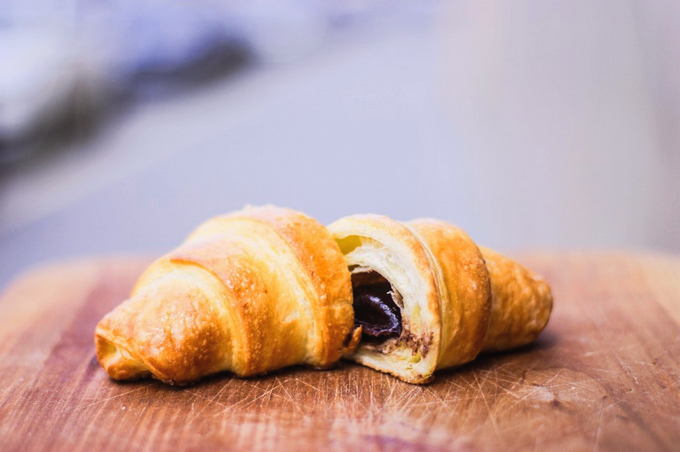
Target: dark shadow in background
82,114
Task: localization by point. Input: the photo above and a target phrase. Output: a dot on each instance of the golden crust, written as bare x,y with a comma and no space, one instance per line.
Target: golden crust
522,303
249,292
466,302
171,332
321,260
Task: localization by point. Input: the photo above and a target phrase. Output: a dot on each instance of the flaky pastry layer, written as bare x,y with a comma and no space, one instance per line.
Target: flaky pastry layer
248,292
455,299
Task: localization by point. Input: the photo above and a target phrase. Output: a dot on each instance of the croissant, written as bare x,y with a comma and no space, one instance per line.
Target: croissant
248,292
428,298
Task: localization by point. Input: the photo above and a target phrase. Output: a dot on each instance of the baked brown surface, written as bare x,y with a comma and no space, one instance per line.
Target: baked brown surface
466,296
522,303
248,293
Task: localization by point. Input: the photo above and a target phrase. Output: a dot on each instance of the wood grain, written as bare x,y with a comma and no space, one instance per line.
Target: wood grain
605,375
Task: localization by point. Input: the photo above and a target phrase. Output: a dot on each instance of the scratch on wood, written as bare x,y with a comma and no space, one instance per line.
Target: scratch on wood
596,443
301,381
488,408
107,399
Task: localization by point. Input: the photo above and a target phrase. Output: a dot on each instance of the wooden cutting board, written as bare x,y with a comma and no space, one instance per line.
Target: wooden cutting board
604,375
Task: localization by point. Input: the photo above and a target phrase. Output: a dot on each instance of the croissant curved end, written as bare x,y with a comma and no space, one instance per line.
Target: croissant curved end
117,361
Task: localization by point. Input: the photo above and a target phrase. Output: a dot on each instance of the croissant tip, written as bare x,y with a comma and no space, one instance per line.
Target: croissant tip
117,362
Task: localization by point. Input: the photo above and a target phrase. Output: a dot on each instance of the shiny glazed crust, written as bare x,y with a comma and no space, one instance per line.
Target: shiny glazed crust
248,292
464,299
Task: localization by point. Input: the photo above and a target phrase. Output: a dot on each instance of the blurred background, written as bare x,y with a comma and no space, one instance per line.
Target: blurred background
534,125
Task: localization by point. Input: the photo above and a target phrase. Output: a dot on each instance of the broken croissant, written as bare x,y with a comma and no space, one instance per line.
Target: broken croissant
428,297
248,292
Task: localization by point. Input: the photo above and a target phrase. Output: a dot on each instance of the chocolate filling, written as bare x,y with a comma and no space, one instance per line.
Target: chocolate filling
374,307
